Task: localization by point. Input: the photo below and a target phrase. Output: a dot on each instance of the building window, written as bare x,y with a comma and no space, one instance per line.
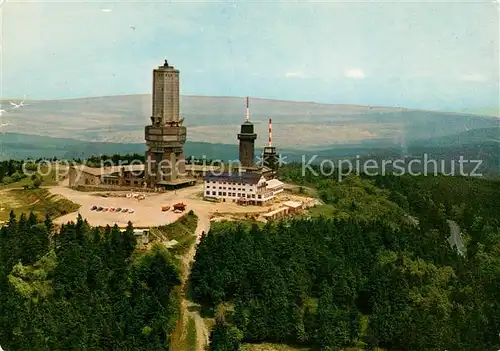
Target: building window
213,193
220,193
208,192
253,196
239,195
224,193
260,197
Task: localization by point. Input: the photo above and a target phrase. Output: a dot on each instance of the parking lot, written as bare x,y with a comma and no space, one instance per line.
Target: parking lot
147,212
142,213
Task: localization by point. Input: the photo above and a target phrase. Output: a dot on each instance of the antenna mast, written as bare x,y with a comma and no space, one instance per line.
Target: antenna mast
270,133
248,112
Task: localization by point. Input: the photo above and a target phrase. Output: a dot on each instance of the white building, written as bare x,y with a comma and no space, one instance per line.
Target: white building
275,186
246,188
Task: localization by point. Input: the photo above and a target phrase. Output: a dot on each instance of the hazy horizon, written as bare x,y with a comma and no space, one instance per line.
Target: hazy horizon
432,56
493,112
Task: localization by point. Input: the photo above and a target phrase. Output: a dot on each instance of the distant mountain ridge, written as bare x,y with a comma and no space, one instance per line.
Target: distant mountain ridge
476,144
296,125
475,136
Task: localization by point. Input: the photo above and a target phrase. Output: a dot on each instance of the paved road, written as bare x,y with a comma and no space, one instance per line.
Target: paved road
455,238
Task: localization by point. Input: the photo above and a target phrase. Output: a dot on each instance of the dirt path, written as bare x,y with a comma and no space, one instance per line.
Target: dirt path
202,332
189,309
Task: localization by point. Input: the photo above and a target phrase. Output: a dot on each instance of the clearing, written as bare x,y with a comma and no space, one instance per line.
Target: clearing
40,201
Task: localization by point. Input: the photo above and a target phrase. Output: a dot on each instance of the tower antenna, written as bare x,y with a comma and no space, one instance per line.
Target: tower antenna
270,133
248,112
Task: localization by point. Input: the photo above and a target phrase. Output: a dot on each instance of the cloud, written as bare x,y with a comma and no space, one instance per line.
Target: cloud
354,73
106,10
473,77
296,74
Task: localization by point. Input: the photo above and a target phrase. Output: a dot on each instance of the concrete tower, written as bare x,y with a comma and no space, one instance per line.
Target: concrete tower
165,137
247,141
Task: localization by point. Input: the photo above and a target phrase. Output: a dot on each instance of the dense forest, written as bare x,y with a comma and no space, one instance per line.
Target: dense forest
83,288
374,269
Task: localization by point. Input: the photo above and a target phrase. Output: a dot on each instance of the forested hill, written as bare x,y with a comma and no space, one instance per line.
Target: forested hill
370,269
82,288
374,270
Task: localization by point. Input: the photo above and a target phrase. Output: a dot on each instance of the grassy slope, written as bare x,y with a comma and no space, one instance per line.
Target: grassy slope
182,231
40,201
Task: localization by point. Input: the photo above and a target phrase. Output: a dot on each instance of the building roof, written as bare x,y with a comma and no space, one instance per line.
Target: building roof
97,171
133,168
273,183
255,169
137,231
140,231
293,204
202,168
247,178
104,171
272,213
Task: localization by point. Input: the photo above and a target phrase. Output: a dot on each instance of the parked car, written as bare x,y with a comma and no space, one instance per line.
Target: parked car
93,208
99,208
105,209
118,209
131,210
124,210
112,209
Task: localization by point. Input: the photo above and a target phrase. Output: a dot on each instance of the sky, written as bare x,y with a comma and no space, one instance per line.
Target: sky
424,54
